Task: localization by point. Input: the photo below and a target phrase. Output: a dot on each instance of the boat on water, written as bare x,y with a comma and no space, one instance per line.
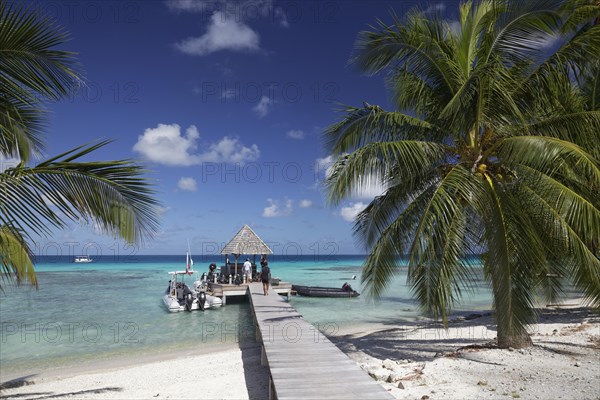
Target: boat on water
83,259
180,297
318,291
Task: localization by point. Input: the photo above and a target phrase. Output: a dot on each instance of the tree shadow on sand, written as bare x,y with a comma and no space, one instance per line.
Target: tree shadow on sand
52,395
18,382
424,340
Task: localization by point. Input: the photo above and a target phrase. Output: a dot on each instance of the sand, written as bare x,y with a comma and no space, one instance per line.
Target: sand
411,360
230,374
421,361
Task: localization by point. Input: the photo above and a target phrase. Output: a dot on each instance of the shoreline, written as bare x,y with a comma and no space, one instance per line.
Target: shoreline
215,374
410,359
99,364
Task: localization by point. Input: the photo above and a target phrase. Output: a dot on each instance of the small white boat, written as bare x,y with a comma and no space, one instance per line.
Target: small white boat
179,297
83,259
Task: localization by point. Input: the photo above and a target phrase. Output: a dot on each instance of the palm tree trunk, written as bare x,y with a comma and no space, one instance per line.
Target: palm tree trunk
516,341
510,331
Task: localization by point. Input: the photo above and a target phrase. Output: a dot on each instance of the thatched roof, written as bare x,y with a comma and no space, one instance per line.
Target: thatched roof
246,242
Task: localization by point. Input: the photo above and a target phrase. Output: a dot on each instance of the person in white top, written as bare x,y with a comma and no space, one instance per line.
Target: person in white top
248,270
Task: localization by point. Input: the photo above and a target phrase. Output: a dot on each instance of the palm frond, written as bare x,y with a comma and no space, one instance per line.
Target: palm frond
568,222
550,156
412,94
113,194
473,22
401,197
522,30
370,124
568,60
580,128
373,161
590,86
437,267
31,69
15,257
580,12
417,44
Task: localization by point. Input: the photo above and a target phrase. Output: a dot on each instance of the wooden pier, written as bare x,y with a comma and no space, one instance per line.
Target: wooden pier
304,364
230,290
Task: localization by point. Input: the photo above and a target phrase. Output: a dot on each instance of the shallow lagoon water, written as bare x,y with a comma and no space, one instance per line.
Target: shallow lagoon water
111,308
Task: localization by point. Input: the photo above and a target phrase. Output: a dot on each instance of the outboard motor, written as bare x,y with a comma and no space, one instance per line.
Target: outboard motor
201,300
189,300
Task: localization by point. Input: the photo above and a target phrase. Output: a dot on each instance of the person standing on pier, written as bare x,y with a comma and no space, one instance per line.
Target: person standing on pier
248,270
265,276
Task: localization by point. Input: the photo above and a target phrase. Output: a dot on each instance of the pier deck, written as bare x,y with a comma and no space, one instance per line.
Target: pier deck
229,290
304,364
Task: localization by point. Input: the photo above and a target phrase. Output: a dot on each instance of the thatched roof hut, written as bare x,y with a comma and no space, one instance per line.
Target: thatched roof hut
246,242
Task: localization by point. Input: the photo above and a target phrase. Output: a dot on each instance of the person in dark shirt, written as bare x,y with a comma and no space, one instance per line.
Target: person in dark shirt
265,277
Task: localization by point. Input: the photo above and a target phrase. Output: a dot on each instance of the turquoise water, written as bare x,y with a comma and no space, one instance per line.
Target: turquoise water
112,308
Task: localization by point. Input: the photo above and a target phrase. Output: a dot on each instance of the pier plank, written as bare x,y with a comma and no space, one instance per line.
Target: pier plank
303,363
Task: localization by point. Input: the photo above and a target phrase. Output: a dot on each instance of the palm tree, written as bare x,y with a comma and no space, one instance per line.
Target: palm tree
492,151
113,195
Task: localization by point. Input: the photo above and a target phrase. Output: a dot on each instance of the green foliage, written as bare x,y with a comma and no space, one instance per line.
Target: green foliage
493,150
112,195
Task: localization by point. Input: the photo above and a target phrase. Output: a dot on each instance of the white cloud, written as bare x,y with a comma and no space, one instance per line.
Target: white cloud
162,210
241,9
224,32
230,150
274,209
370,188
281,17
295,134
166,145
8,162
263,107
187,184
324,165
435,8
187,5
305,203
351,211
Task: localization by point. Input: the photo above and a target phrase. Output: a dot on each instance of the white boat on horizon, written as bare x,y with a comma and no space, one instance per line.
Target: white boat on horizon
83,259
180,297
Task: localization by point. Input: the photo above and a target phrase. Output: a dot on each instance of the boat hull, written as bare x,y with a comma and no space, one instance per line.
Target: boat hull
173,305
317,291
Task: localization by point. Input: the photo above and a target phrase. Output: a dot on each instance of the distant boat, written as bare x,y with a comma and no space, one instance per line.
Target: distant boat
317,291
83,259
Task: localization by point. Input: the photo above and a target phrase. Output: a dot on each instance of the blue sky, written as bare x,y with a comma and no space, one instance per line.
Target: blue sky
225,103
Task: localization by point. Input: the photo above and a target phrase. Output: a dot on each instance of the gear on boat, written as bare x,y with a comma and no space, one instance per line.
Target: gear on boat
201,300
189,300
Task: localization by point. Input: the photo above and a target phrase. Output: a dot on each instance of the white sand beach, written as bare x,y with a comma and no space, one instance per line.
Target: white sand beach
413,361
419,361
230,374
